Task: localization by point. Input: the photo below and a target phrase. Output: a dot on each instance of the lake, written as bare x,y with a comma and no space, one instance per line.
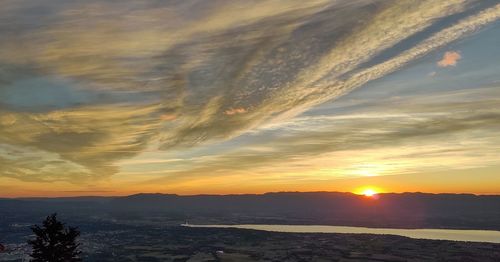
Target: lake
438,234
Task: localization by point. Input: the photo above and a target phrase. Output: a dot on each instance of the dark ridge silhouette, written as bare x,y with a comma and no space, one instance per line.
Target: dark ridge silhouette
404,210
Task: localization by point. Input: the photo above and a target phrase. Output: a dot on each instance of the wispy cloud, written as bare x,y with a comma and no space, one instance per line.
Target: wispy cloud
392,140
182,75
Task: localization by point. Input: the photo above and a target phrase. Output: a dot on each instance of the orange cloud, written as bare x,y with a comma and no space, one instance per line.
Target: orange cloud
449,59
168,117
234,111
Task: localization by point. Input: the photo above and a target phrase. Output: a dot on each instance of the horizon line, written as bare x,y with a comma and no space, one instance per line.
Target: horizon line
242,194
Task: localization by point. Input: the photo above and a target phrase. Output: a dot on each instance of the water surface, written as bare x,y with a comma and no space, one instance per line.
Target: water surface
439,234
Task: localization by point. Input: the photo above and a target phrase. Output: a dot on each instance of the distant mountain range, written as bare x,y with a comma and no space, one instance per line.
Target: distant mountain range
405,210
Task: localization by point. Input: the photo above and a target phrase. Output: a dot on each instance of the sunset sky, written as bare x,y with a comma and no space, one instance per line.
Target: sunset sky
238,96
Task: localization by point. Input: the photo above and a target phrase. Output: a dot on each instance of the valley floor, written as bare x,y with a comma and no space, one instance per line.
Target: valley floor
175,243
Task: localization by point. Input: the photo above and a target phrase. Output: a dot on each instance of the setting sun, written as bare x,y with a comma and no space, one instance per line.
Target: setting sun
369,192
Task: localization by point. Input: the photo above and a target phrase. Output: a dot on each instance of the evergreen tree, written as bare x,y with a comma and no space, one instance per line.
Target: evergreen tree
54,242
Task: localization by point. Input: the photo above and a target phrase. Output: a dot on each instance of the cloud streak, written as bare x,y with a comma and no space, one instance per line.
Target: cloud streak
390,141
109,80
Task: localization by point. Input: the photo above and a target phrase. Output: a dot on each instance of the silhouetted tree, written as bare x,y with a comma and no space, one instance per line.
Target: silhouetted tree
54,242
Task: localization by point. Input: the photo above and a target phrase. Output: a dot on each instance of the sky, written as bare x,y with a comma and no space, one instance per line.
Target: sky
236,96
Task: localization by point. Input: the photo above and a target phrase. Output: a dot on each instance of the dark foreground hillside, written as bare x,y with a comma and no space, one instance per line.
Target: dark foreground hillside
119,242
145,227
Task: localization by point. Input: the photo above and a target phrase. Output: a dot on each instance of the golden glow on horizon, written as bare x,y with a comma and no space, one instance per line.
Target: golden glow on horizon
368,191
481,181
